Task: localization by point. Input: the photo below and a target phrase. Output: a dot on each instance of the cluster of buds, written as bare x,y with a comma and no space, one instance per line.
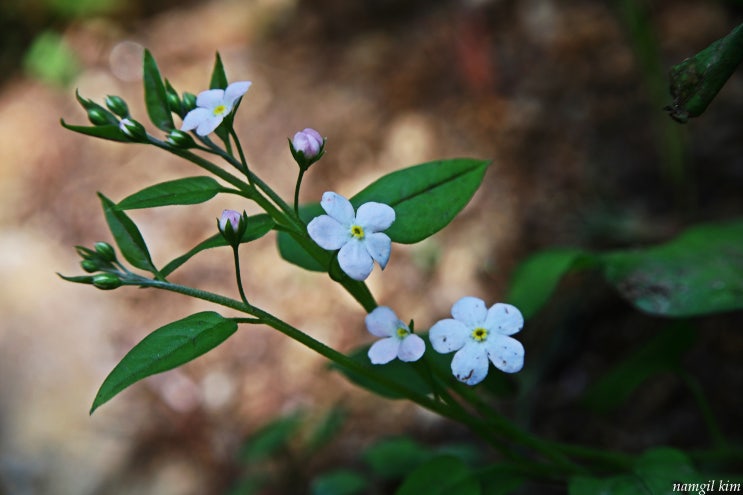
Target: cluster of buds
102,259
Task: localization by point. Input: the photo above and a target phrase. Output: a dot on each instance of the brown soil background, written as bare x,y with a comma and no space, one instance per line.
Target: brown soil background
553,92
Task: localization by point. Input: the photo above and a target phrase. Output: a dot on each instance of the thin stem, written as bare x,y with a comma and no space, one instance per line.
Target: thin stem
242,155
704,408
238,277
296,191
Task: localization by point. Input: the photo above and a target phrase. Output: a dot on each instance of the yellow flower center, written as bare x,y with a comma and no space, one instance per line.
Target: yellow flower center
479,334
219,110
357,232
402,332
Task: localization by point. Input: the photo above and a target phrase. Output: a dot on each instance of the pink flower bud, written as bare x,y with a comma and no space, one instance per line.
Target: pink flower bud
309,142
232,217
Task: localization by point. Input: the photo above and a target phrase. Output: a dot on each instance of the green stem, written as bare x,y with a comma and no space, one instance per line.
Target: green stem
238,277
296,191
704,408
244,162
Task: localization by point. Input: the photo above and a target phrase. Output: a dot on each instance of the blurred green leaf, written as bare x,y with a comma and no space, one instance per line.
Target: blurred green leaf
51,60
84,8
271,438
326,429
187,191
393,458
441,475
699,272
164,349
696,81
258,226
662,353
155,96
127,236
339,482
501,478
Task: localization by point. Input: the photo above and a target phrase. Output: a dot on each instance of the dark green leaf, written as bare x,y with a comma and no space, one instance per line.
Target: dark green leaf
662,353
442,475
258,226
164,349
501,479
394,458
293,252
127,236
425,197
110,132
327,429
536,278
188,191
339,482
155,95
271,438
697,80
699,272
219,77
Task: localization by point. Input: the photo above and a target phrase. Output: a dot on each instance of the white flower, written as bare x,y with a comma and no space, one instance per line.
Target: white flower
358,235
479,334
212,106
398,342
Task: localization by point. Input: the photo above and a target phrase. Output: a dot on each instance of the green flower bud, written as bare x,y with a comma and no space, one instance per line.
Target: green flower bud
189,102
117,105
99,116
107,281
133,130
89,266
106,251
180,139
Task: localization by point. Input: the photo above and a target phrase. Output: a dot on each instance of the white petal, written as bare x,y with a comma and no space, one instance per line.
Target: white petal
470,364
328,233
411,348
504,319
378,246
382,322
194,118
471,311
338,207
354,260
375,217
448,335
383,351
506,353
210,98
208,125
235,91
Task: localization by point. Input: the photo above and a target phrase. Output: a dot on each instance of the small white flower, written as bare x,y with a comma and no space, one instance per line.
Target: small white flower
212,106
397,342
358,235
479,334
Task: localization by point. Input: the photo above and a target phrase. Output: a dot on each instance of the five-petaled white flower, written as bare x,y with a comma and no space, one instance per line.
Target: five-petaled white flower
212,106
479,334
398,342
358,235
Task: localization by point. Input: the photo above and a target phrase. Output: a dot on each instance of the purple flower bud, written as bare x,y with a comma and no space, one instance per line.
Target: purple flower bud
309,142
232,217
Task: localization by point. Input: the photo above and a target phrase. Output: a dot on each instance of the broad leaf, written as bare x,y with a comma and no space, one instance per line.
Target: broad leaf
164,349
258,226
442,475
425,197
699,272
293,252
188,191
127,236
109,131
155,96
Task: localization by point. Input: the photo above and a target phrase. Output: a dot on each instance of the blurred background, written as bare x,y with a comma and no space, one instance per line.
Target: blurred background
564,96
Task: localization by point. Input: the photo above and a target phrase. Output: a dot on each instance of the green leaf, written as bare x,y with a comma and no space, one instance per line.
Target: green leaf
696,81
700,272
271,438
51,59
219,77
442,475
663,352
425,197
395,457
501,479
339,482
110,132
258,226
155,95
536,278
293,252
188,191
164,349
127,236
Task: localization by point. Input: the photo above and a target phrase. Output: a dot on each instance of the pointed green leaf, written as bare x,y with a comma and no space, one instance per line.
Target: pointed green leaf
110,132
164,349
155,96
425,197
127,236
219,77
188,191
699,272
258,226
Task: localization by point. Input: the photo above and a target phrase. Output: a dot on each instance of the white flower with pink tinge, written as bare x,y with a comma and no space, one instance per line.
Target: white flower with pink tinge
212,106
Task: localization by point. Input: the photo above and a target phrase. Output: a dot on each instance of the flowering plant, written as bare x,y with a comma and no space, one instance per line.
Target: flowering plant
342,237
